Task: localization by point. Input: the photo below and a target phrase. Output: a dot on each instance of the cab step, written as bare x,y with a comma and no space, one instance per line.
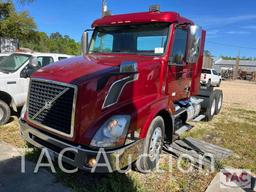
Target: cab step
183,129
199,118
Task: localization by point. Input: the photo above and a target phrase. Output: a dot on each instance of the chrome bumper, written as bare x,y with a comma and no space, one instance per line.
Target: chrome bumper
117,159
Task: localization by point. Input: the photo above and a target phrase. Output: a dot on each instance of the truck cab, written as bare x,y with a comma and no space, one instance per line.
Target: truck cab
15,70
135,84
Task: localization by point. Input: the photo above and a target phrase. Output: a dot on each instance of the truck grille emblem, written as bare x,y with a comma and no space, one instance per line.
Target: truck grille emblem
48,104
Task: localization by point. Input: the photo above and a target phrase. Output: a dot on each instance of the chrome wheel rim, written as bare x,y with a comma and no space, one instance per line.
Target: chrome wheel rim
155,144
220,102
213,107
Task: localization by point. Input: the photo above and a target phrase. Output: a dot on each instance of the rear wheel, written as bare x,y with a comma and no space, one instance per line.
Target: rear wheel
5,112
219,98
211,107
152,146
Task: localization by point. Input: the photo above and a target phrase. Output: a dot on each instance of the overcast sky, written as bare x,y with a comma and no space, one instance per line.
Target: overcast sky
229,23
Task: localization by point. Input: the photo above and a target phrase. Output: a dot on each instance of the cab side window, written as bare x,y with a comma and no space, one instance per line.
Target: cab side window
179,46
214,72
43,61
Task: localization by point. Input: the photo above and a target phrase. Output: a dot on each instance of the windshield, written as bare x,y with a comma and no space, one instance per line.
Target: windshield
147,39
13,62
2,57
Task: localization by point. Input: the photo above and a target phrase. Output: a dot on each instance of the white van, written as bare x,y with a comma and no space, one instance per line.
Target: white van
15,71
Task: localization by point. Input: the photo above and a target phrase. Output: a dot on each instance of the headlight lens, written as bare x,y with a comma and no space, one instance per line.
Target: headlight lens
112,133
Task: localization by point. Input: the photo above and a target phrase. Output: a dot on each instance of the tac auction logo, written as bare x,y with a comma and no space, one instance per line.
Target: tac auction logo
235,178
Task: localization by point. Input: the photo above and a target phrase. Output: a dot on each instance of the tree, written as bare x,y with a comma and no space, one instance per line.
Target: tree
22,27
207,53
15,25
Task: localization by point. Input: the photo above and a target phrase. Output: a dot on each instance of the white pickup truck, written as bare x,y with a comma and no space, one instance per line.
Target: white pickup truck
210,77
4,55
15,71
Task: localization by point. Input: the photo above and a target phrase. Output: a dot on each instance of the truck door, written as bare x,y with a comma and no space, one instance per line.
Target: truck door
179,72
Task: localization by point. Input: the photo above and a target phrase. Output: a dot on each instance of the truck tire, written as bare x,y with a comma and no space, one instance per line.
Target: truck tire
153,145
211,107
209,83
219,98
5,112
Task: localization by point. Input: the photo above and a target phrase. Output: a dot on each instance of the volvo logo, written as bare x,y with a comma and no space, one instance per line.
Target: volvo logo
48,105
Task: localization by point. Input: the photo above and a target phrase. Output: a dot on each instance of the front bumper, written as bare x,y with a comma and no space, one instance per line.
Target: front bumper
117,159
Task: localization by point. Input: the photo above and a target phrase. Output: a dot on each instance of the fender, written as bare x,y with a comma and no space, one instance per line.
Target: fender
156,108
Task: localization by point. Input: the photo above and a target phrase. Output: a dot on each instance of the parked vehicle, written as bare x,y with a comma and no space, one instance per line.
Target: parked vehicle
15,71
210,77
3,55
136,85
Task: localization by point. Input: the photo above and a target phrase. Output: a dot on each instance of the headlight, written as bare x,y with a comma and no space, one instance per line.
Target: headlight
23,111
112,133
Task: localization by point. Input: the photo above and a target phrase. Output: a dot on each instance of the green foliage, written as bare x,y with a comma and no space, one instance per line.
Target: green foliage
207,53
55,43
15,25
21,26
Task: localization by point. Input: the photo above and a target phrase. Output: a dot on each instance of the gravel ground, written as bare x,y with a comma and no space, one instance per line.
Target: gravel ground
240,93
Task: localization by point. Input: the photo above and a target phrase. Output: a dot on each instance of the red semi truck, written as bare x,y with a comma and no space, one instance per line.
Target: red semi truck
135,87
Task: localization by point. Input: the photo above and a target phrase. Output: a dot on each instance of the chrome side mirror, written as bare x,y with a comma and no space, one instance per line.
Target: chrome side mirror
84,43
194,42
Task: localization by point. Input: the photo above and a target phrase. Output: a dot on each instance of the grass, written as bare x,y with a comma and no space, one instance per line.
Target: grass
234,128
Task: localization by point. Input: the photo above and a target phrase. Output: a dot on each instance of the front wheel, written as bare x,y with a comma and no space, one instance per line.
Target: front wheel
153,145
5,112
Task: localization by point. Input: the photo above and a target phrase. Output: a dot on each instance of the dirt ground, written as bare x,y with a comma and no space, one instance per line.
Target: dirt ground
240,93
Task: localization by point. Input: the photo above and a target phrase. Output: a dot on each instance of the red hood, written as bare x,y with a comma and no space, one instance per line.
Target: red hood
73,69
89,72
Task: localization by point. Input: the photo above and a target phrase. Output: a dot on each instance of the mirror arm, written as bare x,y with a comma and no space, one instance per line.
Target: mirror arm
88,30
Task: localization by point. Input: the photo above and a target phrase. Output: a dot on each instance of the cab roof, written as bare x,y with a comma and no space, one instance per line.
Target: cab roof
143,17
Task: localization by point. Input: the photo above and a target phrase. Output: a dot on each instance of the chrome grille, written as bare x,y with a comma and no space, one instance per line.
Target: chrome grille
52,105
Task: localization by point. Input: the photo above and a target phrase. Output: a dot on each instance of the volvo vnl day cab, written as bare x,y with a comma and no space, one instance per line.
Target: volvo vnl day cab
15,71
136,85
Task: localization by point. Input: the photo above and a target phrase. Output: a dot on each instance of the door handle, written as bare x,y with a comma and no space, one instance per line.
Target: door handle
11,82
